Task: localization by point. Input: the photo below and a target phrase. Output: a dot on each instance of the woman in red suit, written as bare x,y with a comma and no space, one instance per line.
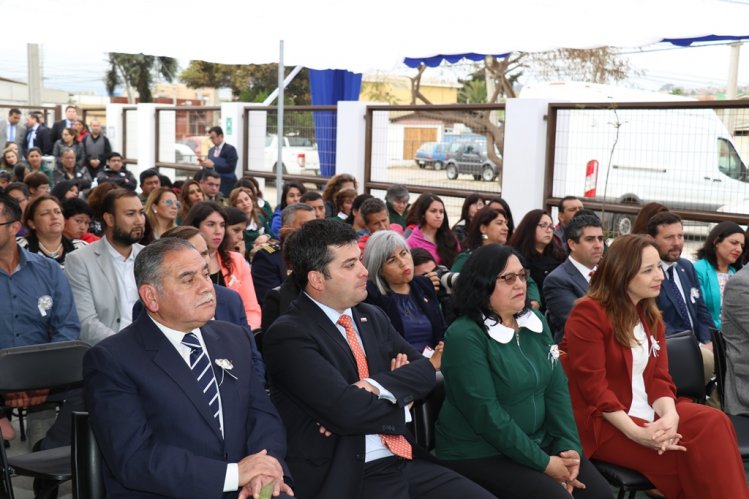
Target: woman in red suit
622,394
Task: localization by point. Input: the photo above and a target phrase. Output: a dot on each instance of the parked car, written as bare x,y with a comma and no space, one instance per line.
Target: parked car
432,154
470,158
184,154
299,155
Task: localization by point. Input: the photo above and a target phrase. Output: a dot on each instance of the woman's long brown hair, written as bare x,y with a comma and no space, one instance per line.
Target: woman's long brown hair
610,283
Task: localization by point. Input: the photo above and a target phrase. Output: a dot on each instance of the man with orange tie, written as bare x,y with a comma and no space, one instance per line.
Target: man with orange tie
343,380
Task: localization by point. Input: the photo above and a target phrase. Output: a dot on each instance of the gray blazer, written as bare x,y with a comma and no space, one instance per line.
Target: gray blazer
735,323
562,287
20,134
93,280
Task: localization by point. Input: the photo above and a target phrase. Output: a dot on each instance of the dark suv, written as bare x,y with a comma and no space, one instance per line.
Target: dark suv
469,158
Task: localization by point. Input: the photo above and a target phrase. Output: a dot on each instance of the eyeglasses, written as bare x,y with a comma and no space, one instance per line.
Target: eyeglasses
546,226
511,277
8,223
171,202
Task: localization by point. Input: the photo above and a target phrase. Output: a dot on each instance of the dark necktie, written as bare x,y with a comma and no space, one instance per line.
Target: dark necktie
201,368
680,303
397,444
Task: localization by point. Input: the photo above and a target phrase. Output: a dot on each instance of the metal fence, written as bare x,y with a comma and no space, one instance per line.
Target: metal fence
617,157
129,135
183,137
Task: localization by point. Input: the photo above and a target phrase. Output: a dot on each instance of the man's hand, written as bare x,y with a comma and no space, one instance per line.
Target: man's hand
206,163
436,358
434,278
26,399
399,360
258,469
365,385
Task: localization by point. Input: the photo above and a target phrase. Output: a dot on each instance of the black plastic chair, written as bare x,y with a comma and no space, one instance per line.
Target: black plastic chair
424,415
740,422
86,460
57,366
685,366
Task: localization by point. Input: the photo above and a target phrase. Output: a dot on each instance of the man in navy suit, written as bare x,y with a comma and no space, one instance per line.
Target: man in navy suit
568,282
37,134
175,404
222,157
71,114
229,306
342,379
680,300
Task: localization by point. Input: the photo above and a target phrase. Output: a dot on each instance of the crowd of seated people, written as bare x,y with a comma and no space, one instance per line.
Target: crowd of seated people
550,342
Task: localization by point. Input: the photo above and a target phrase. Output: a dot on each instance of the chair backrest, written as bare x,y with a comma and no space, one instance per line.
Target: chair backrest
86,460
49,365
425,414
685,365
719,355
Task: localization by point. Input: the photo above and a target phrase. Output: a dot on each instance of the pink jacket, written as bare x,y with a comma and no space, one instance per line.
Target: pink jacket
241,282
418,240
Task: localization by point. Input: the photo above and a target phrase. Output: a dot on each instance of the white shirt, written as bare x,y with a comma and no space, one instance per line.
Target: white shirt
585,271
374,447
124,269
231,479
640,407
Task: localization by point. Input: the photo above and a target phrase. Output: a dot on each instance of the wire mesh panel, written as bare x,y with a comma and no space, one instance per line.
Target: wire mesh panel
685,156
183,137
444,149
130,134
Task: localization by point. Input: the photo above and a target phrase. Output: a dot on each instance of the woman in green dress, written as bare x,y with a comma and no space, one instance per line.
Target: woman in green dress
507,422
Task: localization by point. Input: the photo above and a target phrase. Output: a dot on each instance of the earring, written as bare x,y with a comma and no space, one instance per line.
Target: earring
484,237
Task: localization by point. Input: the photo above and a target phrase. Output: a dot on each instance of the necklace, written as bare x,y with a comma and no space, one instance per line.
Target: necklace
52,254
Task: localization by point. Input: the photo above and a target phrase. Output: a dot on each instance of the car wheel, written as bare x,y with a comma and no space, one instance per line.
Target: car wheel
421,164
488,173
622,224
438,165
452,172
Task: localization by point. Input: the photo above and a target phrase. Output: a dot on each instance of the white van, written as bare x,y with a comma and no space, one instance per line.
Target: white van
683,158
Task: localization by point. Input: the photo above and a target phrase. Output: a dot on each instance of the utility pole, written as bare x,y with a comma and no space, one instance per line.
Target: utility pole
733,71
34,63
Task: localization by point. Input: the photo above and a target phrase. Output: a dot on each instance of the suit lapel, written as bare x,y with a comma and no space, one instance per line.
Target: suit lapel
106,265
169,360
577,277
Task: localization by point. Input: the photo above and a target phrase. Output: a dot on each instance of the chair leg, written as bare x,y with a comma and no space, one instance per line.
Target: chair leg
22,423
7,486
632,494
621,493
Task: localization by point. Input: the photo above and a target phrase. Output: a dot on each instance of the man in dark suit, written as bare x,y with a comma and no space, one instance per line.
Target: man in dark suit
568,282
223,158
229,306
680,300
268,268
175,405
71,114
343,379
37,134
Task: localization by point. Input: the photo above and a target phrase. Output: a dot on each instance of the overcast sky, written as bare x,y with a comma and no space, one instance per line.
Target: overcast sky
82,69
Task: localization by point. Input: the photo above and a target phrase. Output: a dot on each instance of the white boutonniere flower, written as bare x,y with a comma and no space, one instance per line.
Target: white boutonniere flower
655,347
694,294
226,367
553,355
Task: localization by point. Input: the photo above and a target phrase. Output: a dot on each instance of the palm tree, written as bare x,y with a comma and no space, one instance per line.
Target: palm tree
137,72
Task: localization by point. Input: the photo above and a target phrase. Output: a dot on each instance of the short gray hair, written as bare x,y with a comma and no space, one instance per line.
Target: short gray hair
149,264
288,213
380,246
397,192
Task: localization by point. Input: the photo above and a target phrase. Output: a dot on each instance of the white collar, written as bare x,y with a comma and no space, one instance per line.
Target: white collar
504,334
585,271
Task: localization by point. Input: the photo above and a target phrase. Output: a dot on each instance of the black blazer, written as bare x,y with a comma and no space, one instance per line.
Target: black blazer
43,140
423,294
696,307
562,287
153,426
57,129
312,371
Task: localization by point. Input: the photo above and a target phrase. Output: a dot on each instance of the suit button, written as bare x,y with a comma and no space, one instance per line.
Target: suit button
360,457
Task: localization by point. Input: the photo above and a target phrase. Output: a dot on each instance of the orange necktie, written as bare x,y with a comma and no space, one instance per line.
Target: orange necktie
397,444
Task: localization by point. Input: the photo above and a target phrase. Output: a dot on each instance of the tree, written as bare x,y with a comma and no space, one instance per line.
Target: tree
599,65
137,72
248,82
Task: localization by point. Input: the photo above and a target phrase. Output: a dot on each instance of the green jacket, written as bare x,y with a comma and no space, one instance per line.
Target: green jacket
395,217
504,399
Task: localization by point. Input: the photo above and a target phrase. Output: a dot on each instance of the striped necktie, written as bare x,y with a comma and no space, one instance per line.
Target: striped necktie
200,364
397,444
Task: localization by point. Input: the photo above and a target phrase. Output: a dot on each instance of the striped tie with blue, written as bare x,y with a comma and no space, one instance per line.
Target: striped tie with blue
201,368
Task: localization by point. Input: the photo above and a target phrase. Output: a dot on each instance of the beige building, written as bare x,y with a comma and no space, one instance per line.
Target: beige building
396,89
182,93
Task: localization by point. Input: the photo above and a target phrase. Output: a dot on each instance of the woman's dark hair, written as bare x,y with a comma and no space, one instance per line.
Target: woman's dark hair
644,215
198,213
469,200
482,217
716,236
35,180
30,211
19,172
478,279
251,184
447,243
61,188
420,255
508,212
355,205
524,238
287,187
